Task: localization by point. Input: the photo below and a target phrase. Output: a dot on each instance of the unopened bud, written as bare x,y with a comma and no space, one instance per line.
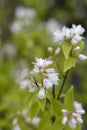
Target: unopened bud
77,48
50,49
57,51
82,57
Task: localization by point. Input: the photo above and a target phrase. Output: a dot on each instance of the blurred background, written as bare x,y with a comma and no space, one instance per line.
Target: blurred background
26,28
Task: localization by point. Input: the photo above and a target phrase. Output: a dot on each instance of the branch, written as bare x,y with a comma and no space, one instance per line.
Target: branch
62,86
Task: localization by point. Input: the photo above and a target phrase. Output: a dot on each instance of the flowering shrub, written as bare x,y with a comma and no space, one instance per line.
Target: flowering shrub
49,107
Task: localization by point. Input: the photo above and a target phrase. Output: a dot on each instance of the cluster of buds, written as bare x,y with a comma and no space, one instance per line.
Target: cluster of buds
72,118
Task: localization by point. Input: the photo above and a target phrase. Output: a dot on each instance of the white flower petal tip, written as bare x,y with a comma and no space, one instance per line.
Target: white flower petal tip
41,94
82,57
77,48
57,51
73,34
50,49
64,120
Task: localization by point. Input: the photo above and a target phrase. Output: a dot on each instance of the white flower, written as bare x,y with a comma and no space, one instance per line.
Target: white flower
82,57
76,39
51,78
23,84
48,77
78,117
40,64
73,117
58,36
73,34
72,122
15,121
16,128
64,120
66,32
78,30
78,108
41,94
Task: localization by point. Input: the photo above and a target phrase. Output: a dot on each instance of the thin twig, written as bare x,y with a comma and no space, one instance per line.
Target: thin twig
53,91
62,86
35,82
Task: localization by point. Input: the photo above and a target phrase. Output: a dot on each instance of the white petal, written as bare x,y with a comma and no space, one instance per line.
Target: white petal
41,94
72,123
77,48
64,120
58,36
82,57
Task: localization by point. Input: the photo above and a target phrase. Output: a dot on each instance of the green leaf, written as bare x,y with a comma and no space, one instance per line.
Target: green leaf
81,45
34,109
57,124
69,63
45,122
41,103
66,46
69,99
56,107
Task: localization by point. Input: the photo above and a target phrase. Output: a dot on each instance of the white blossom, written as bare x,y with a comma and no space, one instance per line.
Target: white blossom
64,120
73,117
41,94
40,64
47,76
79,30
72,122
15,121
73,34
16,128
58,36
82,57
78,108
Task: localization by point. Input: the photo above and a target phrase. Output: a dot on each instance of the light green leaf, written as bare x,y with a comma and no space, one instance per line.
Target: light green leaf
45,122
56,107
69,63
66,46
57,124
81,45
41,103
69,99
34,109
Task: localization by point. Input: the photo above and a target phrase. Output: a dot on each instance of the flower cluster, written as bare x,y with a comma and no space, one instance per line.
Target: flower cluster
48,77
73,34
23,114
72,118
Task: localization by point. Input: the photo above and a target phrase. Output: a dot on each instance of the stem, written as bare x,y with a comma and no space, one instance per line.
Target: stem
62,86
53,91
35,82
